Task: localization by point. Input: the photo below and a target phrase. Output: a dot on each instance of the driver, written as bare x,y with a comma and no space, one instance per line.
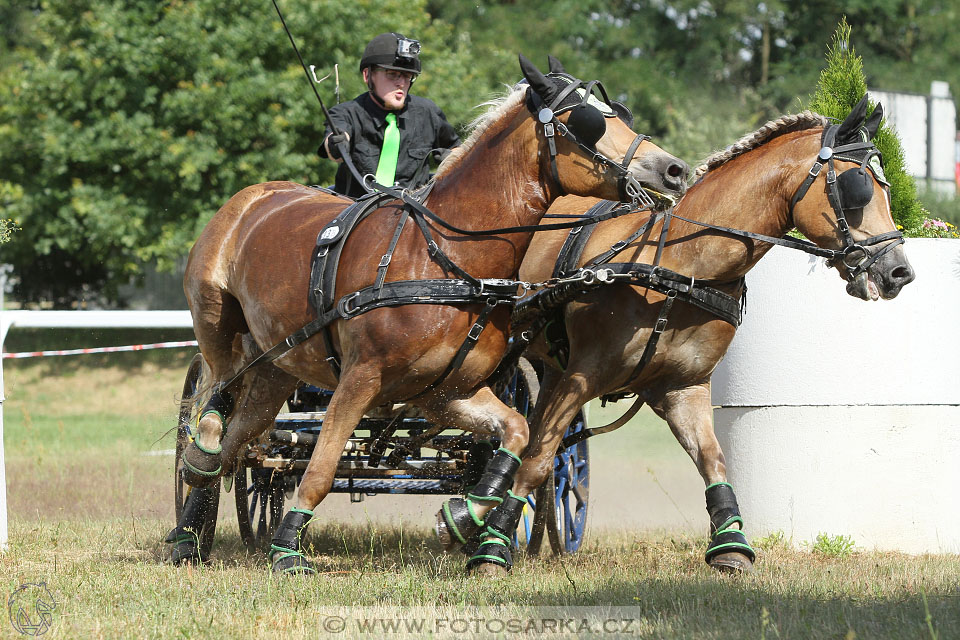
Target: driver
388,132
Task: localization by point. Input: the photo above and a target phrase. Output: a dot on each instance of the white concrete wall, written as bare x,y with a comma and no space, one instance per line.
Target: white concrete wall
843,416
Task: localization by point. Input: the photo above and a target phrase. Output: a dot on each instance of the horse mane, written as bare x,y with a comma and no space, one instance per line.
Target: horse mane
496,108
773,129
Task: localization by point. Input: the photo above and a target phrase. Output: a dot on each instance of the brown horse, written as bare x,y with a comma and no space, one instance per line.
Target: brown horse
757,185
248,276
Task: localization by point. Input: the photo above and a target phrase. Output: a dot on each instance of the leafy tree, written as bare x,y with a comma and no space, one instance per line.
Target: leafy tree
125,125
842,85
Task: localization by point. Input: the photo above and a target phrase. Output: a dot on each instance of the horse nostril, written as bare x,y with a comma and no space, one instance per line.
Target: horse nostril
675,170
902,274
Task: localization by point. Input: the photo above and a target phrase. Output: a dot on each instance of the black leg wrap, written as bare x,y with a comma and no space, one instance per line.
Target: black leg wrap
505,518
185,537
496,478
722,507
286,550
492,552
460,519
724,513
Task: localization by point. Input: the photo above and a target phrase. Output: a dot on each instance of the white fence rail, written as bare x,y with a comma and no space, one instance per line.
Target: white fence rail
73,320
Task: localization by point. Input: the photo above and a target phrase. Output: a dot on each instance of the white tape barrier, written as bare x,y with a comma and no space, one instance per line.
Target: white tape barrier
81,320
77,352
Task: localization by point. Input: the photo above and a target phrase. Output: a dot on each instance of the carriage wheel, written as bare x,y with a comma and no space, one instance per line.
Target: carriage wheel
526,390
563,498
260,497
187,421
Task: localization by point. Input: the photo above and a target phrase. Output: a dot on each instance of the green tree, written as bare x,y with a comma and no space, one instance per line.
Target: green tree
125,125
842,85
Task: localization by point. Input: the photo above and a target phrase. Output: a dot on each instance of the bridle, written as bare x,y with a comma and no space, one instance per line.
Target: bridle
590,121
843,195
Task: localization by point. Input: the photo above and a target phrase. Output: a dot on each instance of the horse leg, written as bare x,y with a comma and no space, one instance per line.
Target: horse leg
481,412
690,415
219,325
559,401
355,394
264,391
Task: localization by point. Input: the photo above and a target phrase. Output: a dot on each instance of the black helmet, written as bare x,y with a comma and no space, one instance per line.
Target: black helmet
392,51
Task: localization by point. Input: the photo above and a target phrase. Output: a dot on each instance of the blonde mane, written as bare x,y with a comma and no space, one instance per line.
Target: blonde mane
496,108
769,131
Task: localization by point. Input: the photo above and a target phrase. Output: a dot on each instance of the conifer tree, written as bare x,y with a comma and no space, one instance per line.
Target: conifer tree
841,86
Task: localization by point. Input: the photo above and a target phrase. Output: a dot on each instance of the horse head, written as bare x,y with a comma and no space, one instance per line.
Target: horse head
579,125
851,213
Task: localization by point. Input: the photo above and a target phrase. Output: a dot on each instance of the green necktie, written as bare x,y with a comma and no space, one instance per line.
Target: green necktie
387,168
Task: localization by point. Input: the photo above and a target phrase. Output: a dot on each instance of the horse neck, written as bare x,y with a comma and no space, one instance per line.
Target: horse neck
496,183
751,192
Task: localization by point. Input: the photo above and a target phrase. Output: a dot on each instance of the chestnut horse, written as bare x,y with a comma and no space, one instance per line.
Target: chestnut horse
763,184
248,277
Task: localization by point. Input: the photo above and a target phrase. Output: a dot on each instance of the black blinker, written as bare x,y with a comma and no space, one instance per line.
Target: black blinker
587,123
856,188
623,112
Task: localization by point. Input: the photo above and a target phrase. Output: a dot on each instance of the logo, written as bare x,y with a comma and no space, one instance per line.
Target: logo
31,609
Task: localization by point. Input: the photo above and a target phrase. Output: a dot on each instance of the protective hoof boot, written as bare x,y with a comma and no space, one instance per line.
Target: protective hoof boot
289,562
492,552
186,550
286,551
729,552
200,467
456,523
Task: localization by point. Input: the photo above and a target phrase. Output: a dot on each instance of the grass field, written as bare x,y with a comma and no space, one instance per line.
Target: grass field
90,500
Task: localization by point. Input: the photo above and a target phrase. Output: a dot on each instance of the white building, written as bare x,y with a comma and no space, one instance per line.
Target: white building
927,125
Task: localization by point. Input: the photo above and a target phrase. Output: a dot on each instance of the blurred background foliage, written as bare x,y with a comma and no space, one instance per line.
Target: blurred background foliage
124,125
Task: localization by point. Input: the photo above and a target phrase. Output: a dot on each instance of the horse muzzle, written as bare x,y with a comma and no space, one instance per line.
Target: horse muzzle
883,279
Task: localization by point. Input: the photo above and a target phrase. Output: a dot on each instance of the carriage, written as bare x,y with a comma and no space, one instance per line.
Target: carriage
402,338
392,451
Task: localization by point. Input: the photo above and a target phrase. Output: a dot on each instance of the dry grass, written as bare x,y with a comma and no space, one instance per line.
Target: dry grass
88,511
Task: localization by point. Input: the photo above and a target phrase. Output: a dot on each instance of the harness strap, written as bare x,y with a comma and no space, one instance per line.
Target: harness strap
651,348
632,149
385,259
576,241
398,293
472,337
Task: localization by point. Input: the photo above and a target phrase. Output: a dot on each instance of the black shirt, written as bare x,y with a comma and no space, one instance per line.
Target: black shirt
423,127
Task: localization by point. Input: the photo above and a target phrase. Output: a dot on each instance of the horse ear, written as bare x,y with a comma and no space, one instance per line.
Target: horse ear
852,122
555,65
872,125
538,82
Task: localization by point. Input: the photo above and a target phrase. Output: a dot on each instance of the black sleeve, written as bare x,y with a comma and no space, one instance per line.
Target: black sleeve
447,137
340,114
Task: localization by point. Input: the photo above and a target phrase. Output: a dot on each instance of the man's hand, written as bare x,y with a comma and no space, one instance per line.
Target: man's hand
332,142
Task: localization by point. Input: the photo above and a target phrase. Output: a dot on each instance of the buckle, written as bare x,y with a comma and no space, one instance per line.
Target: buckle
475,332
548,129
384,260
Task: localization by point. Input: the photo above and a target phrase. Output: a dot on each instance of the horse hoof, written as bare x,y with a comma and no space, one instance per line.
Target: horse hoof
293,563
731,562
198,468
443,534
487,570
186,552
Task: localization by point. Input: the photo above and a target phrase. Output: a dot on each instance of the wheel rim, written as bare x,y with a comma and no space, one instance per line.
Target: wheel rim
186,424
260,501
572,490
187,419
